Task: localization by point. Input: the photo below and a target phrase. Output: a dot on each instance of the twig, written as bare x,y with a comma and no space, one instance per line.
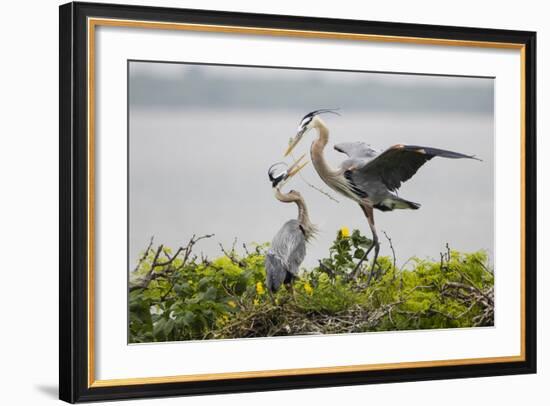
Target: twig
393,253
145,254
192,242
327,270
204,259
311,185
484,267
152,275
231,255
391,247
170,259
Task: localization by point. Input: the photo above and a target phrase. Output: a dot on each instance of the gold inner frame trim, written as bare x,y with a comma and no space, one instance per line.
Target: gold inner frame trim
94,22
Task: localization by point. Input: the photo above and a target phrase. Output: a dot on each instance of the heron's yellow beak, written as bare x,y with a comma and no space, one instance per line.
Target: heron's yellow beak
296,167
294,141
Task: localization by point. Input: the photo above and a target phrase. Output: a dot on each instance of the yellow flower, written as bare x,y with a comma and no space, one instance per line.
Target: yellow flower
308,288
260,288
232,303
222,320
344,232
256,302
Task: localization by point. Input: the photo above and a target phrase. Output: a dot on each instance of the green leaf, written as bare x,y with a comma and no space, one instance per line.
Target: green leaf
210,293
204,282
158,328
188,318
168,327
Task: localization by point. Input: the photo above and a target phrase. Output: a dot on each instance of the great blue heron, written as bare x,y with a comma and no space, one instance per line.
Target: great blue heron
368,177
288,248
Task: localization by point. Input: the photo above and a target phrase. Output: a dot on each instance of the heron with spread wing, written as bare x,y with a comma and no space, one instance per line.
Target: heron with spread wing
369,177
288,248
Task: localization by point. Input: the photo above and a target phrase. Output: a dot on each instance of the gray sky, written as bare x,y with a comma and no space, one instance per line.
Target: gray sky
202,138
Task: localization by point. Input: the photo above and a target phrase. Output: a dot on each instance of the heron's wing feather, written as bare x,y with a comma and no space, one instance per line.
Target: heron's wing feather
356,149
353,163
275,271
399,163
290,245
359,154
298,254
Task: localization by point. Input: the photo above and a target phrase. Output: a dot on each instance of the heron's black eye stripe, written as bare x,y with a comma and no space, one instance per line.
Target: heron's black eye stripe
306,120
277,180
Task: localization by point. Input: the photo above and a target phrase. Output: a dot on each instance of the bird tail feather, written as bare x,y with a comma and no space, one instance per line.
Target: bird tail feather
396,203
406,204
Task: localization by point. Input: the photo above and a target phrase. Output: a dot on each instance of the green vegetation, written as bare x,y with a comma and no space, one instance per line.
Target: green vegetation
178,296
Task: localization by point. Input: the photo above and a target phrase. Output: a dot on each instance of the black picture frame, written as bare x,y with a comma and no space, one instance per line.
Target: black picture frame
73,283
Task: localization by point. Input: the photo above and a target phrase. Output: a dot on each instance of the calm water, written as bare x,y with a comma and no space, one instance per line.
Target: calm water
199,172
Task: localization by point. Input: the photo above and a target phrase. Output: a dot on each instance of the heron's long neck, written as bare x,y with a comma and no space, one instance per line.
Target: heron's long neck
303,218
317,156
303,215
332,177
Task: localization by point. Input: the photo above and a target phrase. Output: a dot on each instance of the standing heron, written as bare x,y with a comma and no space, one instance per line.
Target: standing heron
288,248
369,177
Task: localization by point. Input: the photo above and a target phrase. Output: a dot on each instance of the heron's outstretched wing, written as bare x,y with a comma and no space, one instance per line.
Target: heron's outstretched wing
358,152
356,149
399,163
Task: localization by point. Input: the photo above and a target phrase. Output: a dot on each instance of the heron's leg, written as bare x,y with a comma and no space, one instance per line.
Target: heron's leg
272,297
375,242
371,273
290,288
369,213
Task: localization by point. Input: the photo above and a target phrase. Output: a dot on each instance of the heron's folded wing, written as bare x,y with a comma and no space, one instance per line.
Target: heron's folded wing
298,254
275,271
290,245
400,162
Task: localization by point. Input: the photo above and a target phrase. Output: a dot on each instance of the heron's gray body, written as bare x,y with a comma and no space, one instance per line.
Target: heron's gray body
363,189
288,248
287,252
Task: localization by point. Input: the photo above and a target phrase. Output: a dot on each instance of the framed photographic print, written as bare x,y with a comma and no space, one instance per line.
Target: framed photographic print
256,202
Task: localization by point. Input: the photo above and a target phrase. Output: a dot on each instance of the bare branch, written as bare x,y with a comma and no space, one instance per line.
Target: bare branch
152,274
231,255
327,270
393,253
145,254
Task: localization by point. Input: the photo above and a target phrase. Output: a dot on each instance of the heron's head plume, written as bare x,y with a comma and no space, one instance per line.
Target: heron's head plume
307,123
279,173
